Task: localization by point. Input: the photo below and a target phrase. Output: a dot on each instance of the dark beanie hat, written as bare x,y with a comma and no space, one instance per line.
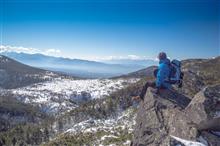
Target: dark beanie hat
162,55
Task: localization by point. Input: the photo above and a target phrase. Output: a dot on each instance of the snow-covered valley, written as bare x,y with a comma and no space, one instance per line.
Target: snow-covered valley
49,105
62,95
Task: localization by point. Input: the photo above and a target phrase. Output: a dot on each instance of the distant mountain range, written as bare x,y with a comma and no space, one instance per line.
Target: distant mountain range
78,67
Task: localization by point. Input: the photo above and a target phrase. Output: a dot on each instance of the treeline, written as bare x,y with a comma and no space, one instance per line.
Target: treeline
19,123
29,134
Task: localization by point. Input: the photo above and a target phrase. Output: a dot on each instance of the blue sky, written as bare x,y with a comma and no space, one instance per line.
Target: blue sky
99,29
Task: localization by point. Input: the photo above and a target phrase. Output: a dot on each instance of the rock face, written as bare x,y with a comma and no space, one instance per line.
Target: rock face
165,118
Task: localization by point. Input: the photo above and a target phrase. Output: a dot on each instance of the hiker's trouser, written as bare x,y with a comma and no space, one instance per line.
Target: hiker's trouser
144,89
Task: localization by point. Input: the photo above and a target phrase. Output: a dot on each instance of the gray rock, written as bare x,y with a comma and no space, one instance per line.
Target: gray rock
155,115
204,109
170,114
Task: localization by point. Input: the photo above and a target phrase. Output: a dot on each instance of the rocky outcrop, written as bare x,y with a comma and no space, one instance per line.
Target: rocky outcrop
171,118
199,73
155,115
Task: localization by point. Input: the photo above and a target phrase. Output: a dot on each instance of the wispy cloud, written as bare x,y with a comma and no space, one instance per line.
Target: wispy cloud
8,48
53,51
18,49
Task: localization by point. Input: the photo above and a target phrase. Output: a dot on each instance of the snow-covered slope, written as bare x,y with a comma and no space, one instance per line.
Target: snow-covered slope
61,95
124,120
111,131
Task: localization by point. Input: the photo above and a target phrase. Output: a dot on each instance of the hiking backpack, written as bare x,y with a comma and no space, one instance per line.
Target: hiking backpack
176,75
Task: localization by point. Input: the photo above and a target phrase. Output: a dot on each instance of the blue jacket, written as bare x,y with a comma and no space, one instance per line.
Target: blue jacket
163,74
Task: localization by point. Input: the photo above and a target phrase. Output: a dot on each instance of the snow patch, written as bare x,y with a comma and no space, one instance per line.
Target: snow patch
128,142
187,142
108,136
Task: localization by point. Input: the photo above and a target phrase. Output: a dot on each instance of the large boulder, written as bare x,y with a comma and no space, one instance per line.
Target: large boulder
171,119
153,117
205,105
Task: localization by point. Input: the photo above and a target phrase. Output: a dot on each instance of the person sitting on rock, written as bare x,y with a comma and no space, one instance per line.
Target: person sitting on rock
162,74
